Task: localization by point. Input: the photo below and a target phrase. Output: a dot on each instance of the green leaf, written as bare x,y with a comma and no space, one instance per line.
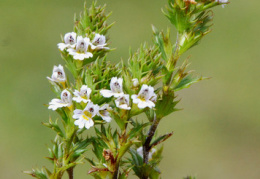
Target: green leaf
48,172
137,162
36,173
187,82
78,153
166,105
54,126
154,174
161,139
158,39
137,129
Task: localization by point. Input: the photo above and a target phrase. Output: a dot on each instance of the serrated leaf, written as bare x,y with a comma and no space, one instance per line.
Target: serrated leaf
137,129
166,105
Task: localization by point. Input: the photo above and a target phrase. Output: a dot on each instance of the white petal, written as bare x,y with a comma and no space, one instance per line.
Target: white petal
78,56
76,93
71,51
89,123
85,100
142,104
105,106
50,78
120,81
53,107
150,104
106,118
106,93
93,47
77,114
88,55
124,106
62,46
135,98
56,103
78,99
117,95
79,123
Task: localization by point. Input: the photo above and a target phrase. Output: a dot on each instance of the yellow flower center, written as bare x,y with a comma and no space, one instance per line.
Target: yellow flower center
86,115
141,97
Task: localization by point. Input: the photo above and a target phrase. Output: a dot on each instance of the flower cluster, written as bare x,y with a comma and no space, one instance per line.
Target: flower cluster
145,98
81,47
84,118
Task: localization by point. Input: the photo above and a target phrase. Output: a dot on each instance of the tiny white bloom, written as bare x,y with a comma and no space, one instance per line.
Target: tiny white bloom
145,97
135,82
82,95
116,86
123,102
84,117
140,152
223,2
103,112
80,53
58,74
69,41
65,101
99,42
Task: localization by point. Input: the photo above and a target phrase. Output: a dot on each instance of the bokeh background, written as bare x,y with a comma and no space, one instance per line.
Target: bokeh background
216,136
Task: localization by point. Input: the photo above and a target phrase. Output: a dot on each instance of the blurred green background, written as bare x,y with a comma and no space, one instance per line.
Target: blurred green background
216,136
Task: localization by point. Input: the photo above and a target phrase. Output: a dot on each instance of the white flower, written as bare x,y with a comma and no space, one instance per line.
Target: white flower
116,88
82,95
150,154
99,42
123,102
223,2
84,117
65,101
145,97
58,74
80,53
135,82
69,41
103,112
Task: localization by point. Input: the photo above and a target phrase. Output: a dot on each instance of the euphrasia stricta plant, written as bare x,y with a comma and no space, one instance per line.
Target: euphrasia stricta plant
102,93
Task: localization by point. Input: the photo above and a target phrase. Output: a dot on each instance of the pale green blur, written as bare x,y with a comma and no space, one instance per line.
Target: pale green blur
216,136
